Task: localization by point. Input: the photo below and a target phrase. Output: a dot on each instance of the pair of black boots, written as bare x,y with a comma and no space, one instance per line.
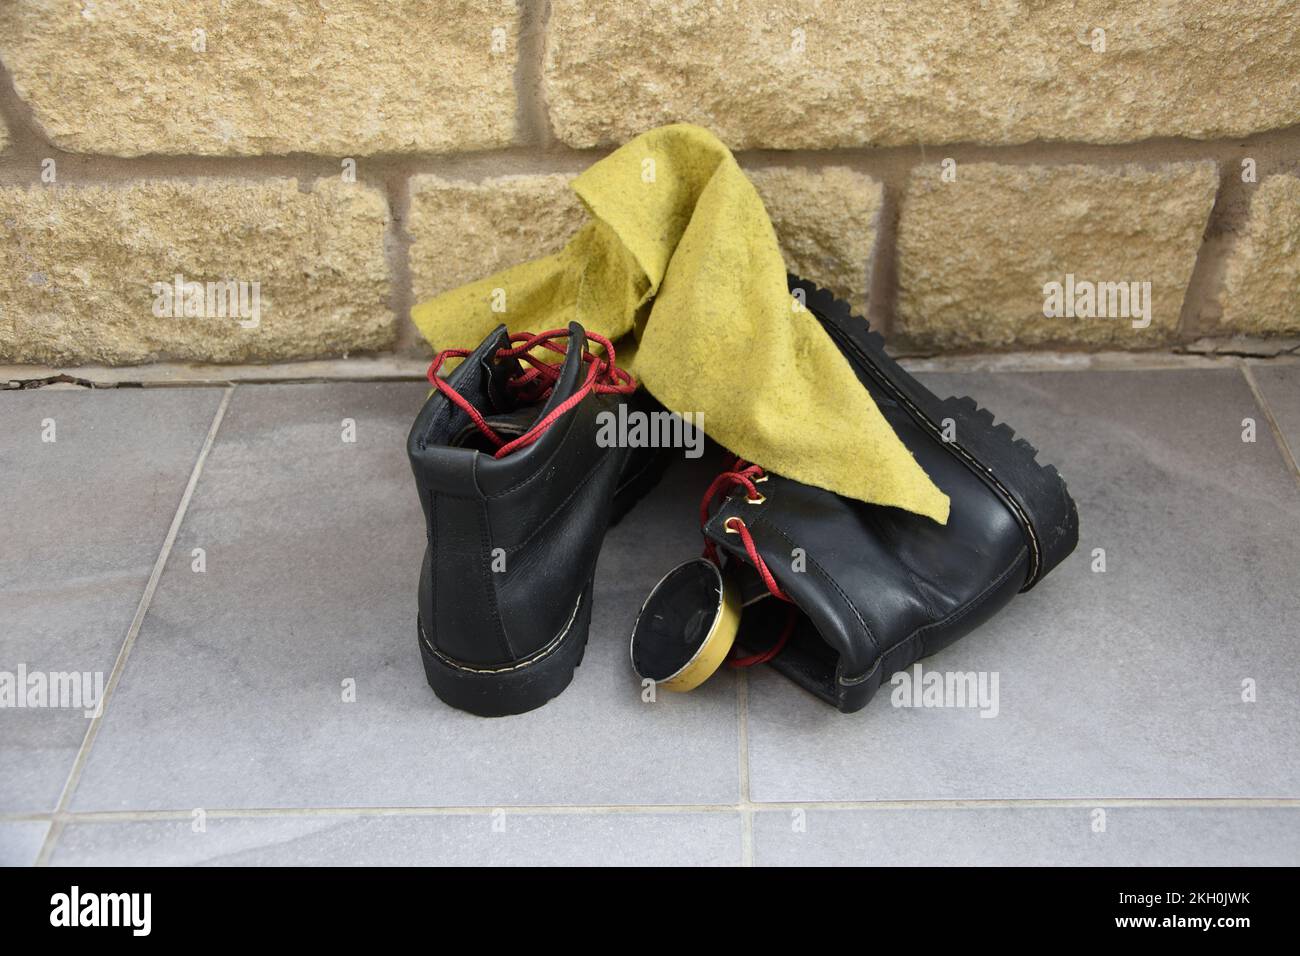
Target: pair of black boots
518,491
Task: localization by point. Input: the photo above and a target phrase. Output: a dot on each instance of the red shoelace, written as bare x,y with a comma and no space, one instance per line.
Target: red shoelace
748,476
535,383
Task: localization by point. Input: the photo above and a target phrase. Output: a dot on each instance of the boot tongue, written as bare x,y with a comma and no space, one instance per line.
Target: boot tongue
748,582
572,371
498,372
509,425
512,422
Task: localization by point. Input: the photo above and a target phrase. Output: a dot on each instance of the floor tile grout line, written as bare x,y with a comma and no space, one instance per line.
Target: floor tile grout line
142,608
47,845
1288,455
1070,803
167,375
742,761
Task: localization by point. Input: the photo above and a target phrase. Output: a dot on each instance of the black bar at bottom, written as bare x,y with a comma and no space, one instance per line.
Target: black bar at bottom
439,907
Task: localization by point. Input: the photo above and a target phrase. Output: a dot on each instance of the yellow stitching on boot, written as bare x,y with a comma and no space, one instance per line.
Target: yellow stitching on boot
537,656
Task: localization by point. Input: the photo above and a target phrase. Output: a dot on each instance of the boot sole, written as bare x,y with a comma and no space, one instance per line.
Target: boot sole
515,688
1036,494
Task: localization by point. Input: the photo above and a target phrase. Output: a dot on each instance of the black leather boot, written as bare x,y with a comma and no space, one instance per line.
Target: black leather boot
517,494
838,594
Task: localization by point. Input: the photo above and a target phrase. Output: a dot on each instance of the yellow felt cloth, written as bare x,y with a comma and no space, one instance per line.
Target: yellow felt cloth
680,253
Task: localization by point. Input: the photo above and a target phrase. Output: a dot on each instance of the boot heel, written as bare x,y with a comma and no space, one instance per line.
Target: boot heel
516,688
1036,492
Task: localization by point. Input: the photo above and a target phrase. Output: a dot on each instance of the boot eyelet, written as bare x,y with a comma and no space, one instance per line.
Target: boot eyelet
759,480
756,501
729,529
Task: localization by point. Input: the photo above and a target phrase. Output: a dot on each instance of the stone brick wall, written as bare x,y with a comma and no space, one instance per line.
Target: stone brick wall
942,164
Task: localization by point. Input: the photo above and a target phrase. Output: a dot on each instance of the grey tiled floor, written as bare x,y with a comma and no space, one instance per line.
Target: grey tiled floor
83,520
1119,692
1280,387
1030,836
21,840
500,838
